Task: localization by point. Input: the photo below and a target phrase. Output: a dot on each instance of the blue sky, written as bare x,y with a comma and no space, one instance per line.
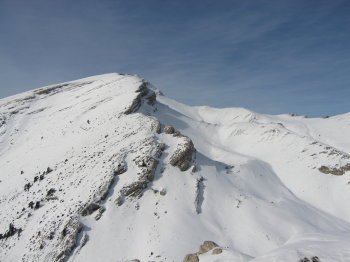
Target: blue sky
276,56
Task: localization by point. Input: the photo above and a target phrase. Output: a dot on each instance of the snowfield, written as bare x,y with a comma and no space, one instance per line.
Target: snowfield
108,169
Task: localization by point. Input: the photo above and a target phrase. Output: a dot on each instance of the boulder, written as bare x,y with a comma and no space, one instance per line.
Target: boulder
217,251
182,157
207,246
191,258
169,129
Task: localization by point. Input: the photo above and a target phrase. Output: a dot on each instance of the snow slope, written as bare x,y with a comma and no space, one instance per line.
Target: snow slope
91,171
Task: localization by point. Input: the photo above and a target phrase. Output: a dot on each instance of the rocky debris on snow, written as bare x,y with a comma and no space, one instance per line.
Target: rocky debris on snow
313,259
182,157
12,230
334,170
33,205
48,90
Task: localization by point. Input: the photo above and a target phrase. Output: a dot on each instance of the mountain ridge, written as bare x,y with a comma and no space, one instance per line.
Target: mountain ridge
107,168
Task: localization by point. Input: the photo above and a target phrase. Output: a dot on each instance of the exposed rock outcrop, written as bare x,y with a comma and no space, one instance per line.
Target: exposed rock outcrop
217,251
334,170
204,248
89,209
144,92
207,246
169,129
68,242
182,157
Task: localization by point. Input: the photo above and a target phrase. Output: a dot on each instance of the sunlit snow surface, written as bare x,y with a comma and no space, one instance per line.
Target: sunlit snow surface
256,190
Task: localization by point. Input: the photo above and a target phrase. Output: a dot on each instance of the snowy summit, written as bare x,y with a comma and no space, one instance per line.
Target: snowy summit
108,169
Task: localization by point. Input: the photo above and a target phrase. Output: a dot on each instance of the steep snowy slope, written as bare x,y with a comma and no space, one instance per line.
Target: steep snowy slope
103,169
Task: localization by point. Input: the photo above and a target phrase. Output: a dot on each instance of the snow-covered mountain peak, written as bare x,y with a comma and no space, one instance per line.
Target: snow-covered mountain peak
106,168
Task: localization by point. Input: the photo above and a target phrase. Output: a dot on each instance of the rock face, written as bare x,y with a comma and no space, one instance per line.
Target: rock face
69,237
144,93
182,157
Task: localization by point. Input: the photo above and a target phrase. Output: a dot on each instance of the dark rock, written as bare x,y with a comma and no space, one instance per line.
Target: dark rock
27,187
89,209
11,232
31,204
136,103
37,205
51,235
152,98
50,192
